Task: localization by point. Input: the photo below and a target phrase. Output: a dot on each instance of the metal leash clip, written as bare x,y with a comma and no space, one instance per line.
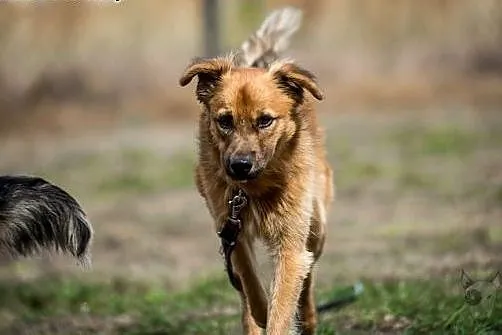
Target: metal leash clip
232,227
237,204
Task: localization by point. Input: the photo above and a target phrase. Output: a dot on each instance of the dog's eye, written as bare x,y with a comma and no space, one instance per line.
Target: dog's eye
225,122
265,121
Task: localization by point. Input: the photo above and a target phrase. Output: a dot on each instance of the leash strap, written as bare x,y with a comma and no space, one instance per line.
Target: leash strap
229,234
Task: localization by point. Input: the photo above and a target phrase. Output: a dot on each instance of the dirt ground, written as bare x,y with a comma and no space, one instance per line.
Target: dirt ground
419,194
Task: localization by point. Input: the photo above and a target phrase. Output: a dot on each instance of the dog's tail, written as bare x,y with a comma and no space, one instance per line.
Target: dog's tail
37,216
272,38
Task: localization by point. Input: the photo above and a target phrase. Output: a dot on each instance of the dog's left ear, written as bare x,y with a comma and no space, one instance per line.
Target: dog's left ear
497,280
209,72
294,80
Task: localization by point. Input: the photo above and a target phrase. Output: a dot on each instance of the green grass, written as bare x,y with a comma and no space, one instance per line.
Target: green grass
144,172
437,140
446,161
212,307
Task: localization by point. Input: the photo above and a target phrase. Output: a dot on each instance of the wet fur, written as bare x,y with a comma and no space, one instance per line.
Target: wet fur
289,199
37,217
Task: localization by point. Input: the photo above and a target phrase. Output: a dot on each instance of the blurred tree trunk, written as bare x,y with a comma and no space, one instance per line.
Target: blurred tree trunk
250,13
237,18
243,17
211,28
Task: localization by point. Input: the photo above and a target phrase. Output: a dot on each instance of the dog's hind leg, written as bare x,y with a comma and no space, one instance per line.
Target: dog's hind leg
306,307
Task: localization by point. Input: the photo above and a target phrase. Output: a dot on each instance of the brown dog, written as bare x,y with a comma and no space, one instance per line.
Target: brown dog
258,133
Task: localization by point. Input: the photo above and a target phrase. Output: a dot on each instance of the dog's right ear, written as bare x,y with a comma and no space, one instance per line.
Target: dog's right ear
496,280
209,72
465,280
294,80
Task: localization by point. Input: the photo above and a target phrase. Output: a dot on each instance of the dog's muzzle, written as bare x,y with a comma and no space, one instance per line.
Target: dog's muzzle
241,167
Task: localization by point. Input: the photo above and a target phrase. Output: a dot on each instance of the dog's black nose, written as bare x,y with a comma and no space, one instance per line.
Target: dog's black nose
240,166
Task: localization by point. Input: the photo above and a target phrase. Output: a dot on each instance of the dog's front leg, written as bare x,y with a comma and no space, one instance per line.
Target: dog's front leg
292,266
253,298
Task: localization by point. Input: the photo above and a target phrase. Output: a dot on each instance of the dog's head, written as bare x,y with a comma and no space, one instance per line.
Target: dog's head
251,112
480,294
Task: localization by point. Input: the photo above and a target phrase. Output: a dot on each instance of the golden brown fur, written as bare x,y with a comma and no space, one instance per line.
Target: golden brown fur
267,114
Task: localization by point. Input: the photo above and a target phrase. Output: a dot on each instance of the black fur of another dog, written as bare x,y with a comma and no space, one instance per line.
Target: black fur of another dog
37,216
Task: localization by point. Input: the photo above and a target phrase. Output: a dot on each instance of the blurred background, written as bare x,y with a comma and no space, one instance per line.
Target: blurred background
89,98
99,64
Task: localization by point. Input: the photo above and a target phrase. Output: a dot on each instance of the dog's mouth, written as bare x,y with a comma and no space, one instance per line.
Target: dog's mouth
243,178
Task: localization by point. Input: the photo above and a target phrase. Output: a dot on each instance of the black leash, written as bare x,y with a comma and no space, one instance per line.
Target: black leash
229,234
349,296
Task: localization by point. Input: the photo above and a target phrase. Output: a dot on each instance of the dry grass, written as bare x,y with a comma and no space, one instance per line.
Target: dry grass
400,177
100,83
419,196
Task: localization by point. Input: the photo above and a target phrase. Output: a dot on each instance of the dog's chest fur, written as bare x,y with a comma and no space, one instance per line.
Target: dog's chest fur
279,206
